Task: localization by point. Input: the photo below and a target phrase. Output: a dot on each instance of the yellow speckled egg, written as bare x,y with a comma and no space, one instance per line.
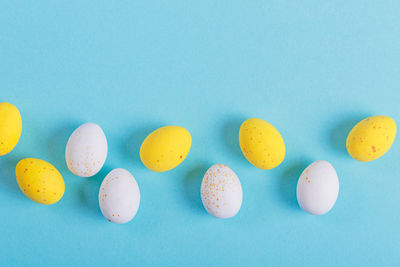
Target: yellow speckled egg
261,144
371,138
165,148
10,127
40,181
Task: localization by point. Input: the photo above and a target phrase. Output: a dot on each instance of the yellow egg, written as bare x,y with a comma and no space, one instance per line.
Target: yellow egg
261,144
165,148
40,181
10,127
371,138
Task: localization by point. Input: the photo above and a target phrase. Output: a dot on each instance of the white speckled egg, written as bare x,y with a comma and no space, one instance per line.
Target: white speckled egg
86,150
318,188
221,192
119,196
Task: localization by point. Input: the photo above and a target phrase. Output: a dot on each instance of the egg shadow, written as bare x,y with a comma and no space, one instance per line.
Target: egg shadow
192,185
288,182
8,180
132,142
340,132
88,193
57,142
230,136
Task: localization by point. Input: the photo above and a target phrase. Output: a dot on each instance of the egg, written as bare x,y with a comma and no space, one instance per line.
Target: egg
221,192
261,144
371,138
318,188
86,150
165,148
10,127
119,196
40,181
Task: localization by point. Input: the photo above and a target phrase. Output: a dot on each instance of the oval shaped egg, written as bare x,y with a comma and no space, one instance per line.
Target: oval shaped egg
40,181
10,127
371,138
221,192
86,150
165,148
261,144
119,196
318,188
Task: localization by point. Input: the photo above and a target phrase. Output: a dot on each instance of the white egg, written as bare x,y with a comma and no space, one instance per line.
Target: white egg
221,192
119,196
86,150
318,188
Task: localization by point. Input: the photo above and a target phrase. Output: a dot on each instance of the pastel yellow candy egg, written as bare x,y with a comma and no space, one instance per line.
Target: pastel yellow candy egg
261,144
165,148
371,138
10,127
40,181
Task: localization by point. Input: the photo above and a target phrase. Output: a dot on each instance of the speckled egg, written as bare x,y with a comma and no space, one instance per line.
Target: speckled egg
221,192
165,148
261,144
86,150
371,138
10,127
40,181
318,188
119,196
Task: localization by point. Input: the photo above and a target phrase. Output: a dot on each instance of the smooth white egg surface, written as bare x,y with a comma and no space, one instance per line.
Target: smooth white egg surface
318,188
86,150
221,192
119,196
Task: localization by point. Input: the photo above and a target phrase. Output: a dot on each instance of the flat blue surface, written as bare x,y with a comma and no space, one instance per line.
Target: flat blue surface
311,68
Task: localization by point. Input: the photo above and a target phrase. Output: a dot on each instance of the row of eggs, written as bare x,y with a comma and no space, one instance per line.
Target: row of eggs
167,147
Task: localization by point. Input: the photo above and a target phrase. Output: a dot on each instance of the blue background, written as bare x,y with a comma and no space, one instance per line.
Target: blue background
311,68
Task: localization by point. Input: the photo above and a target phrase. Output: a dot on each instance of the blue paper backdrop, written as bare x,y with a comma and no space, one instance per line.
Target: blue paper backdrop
311,68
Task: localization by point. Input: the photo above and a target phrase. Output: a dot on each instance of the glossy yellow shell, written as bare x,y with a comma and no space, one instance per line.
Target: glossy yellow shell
371,138
261,144
165,148
10,127
40,181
